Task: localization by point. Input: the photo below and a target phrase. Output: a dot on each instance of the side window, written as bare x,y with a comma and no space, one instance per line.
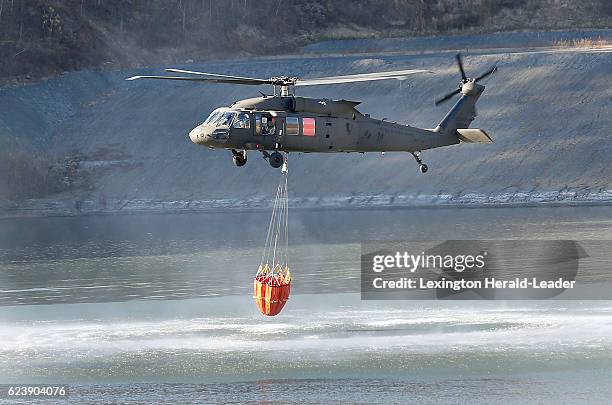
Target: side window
309,126
243,121
257,124
267,125
293,126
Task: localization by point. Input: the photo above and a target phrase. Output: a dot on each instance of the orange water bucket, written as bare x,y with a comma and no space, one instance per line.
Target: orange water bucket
271,292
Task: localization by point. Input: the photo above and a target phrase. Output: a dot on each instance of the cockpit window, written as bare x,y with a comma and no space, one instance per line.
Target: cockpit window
220,117
225,119
213,116
243,121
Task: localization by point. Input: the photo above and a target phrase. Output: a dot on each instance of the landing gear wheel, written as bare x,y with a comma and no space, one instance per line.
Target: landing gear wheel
239,157
417,156
276,159
239,161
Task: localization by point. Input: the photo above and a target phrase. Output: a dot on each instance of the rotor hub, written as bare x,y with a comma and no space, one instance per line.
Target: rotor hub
467,85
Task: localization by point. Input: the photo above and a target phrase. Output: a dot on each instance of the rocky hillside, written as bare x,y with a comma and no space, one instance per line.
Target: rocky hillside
40,38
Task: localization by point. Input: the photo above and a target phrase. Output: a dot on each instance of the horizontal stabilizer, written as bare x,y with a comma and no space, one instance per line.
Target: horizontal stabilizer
474,135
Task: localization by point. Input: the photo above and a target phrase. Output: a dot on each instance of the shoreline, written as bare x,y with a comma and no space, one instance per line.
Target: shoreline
50,209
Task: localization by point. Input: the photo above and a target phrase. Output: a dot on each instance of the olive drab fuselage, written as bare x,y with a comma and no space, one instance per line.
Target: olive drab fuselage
287,123
302,124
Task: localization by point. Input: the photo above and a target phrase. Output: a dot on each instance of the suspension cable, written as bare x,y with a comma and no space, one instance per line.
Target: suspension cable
277,238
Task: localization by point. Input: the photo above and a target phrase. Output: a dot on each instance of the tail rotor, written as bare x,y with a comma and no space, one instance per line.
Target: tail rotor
466,82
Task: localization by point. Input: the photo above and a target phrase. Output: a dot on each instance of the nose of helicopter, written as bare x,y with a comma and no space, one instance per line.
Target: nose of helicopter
199,134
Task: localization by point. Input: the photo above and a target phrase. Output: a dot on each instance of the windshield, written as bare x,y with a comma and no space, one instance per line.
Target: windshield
213,116
220,117
225,119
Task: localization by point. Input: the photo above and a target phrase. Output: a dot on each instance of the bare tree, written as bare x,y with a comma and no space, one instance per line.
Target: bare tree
183,8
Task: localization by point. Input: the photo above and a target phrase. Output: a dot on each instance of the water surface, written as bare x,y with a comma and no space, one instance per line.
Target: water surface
158,308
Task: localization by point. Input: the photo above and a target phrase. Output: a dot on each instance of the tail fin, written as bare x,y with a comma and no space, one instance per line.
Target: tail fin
459,118
463,112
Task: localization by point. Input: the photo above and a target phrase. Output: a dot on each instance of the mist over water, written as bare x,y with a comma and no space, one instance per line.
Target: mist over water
166,300
224,339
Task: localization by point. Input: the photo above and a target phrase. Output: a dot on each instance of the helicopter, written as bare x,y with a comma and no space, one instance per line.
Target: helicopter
284,122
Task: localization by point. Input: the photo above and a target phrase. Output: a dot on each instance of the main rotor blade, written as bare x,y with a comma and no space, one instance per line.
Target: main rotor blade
192,72
460,64
203,79
487,73
397,74
446,97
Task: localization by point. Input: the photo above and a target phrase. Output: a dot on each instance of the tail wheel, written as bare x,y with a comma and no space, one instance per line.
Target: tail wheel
276,159
423,168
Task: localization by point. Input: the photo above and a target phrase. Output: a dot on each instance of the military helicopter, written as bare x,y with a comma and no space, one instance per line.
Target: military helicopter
284,122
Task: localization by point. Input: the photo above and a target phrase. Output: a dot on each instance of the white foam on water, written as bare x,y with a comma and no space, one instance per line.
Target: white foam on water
387,327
